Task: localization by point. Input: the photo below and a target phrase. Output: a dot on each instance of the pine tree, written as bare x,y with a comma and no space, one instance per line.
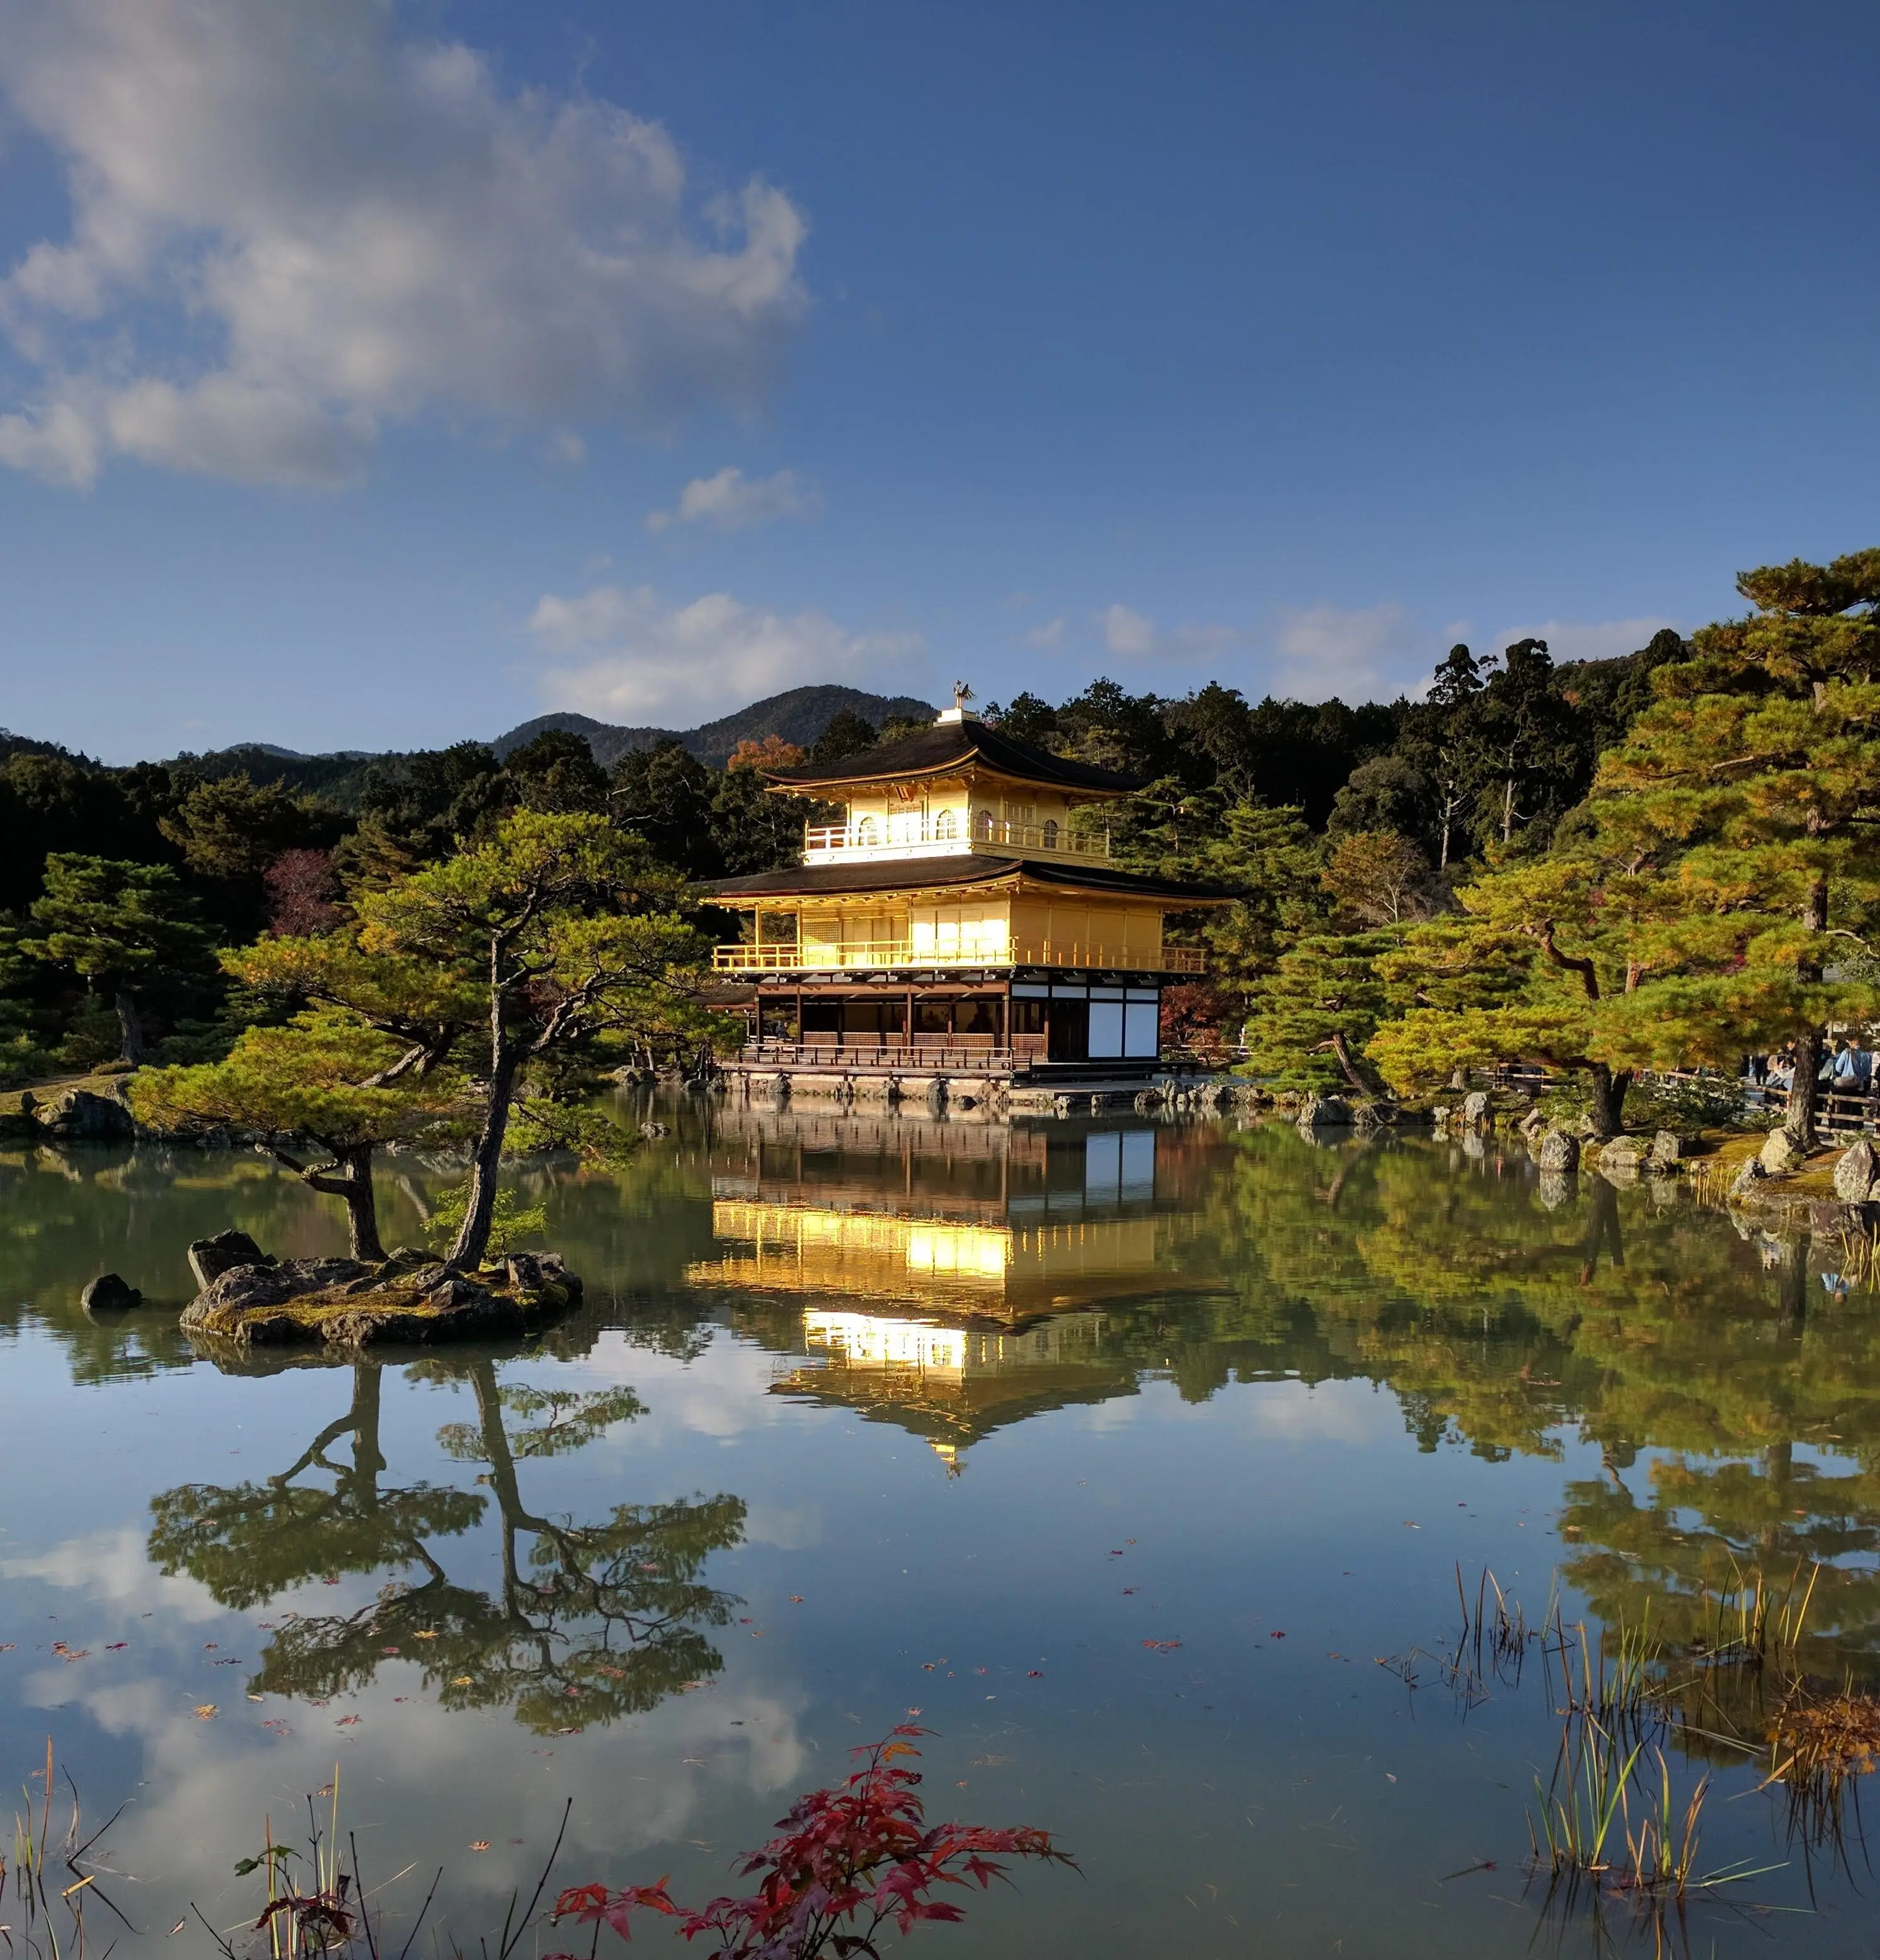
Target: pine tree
1520,975
1748,794
1308,1019
114,925
326,1079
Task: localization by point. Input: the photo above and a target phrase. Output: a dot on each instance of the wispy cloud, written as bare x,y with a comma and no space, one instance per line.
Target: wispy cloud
291,225
732,501
1133,635
1048,636
1360,654
624,654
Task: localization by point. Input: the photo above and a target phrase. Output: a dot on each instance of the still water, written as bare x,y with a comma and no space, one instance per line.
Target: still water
1122,1454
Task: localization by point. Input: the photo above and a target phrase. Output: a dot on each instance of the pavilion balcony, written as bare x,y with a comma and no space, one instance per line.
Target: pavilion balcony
881,955
874,840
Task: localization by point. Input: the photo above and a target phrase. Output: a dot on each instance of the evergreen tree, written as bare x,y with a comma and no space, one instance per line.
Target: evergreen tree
1439,743
1309,1019
1521,976
326,1079
114,925
570,933
666,795
1271,859
1749,795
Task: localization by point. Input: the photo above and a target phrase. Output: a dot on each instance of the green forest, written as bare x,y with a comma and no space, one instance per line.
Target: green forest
1661,859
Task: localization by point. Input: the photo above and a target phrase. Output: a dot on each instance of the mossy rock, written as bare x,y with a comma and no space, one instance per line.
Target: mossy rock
405,1302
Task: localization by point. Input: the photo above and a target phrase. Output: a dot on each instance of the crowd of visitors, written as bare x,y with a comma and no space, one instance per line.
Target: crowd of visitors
1847,1067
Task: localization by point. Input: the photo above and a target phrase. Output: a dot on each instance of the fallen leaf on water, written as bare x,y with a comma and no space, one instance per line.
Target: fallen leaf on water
7,1646
796,1599
1128,1589
254,1697
388,1651
1388,1777
927,1666
117,1647
206,1711
568,1731
1275,1635
178,1927
1411,1524
425,1634
347,1722
479,1843
1162,1646
461,1680
980,1670
325,1790
329,1582
1034,1674
209,1647
615,1673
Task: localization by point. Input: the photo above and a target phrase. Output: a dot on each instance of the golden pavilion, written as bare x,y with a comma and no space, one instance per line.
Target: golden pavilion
964,915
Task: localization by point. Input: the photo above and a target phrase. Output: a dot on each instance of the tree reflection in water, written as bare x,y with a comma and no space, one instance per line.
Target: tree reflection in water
590,1621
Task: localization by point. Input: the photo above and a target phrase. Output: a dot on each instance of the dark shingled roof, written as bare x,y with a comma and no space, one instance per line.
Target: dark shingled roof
945,747
922,874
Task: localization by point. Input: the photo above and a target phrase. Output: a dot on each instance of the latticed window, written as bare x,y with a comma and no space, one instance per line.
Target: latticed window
946,827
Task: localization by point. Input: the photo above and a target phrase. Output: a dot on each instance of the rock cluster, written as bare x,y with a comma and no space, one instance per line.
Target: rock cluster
411,1297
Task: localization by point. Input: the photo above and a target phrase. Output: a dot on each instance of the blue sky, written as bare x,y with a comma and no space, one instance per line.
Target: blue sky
379,374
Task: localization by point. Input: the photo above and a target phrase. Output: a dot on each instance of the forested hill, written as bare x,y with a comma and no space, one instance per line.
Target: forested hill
798,716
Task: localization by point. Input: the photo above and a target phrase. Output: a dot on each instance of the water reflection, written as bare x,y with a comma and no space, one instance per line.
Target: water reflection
1331,1370
589,1622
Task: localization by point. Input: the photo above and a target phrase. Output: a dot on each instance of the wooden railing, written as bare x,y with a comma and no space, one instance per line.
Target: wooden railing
915,835
924,1051
788,956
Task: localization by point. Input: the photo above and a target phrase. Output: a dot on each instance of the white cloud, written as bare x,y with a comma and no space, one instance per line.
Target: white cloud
1133,635
1048,636
1362,653
734,501
290,226
1583,640
634,658
1126,632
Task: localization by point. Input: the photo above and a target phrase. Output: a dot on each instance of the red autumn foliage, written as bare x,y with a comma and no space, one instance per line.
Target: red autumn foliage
850,1858
302,885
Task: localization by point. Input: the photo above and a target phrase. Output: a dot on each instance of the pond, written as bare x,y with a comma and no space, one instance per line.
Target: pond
1142,1463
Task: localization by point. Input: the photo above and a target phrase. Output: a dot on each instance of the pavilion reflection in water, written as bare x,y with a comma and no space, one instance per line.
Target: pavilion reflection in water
949,1273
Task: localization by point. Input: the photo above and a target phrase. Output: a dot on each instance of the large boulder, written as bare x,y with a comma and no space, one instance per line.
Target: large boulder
1475,1107
108,1293
80,1117
1667,1148
1781,1154
209,1258
1559,1150
1321,1112
1749,1174
1855,1172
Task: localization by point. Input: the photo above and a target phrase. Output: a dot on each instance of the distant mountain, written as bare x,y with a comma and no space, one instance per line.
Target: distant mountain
799,716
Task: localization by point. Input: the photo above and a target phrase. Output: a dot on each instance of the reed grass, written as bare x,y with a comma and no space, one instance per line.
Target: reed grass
1753,1625
33,1927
